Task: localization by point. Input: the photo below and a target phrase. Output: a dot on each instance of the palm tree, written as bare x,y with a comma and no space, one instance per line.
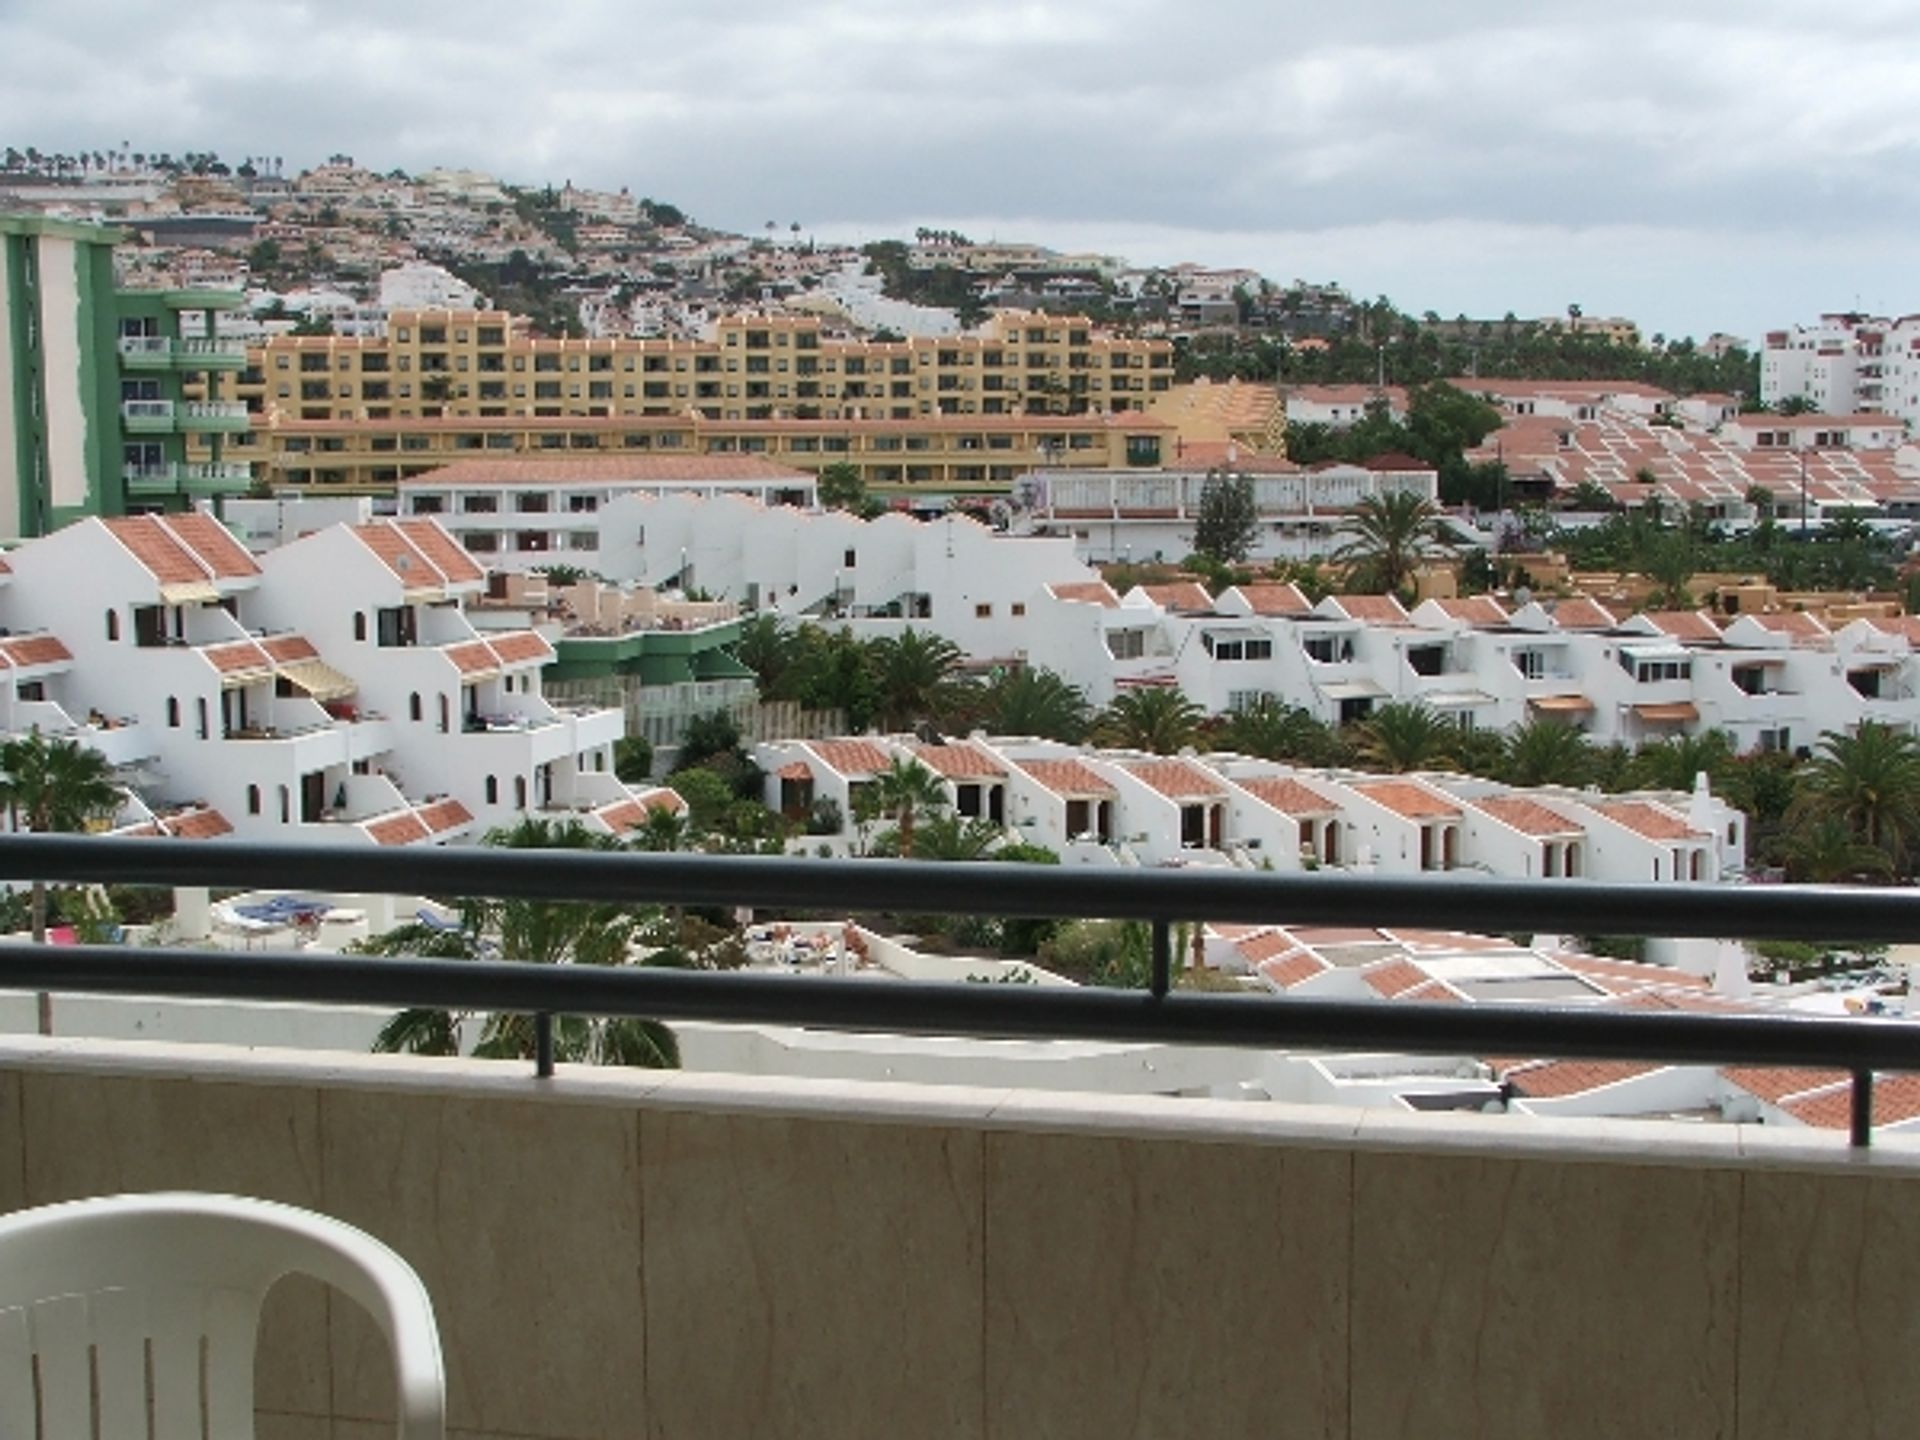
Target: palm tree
1390,535
1405,735
1545,751
1274,730
1825,852
1870,781
955,837
906,788
764,648
1038,702
917,672
1158,718
53,786
540,932
1673,764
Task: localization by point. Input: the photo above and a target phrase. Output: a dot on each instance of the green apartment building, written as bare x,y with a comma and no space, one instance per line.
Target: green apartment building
95,414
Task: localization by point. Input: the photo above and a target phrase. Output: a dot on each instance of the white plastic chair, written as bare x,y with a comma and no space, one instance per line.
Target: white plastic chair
135,1315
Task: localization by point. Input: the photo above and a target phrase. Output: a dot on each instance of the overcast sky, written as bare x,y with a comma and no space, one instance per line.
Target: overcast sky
1698,166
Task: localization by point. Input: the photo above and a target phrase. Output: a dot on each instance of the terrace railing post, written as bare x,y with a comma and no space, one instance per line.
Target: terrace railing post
1861,1119
1162,979
543,1044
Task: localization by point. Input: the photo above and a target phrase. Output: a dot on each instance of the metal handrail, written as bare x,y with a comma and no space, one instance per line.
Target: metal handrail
1162,897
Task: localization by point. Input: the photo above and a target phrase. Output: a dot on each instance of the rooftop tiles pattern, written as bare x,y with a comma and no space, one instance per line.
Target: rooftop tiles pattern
959,761
1529,817
1066,778
1288,795
851,757
1176,779
1406,799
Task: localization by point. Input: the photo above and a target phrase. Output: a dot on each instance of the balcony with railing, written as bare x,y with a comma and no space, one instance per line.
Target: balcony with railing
221,416
187,478
683,1254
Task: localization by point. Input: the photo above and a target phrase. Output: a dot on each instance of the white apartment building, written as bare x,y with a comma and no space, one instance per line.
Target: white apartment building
1846,363
1126,808
332,691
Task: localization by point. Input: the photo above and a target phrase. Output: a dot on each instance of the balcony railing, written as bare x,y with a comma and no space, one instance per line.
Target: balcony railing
1857,1045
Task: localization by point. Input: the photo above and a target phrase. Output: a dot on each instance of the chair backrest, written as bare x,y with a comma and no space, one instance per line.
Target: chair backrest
133,1317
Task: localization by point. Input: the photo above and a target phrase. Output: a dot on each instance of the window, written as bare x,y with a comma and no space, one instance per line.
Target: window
446,715
173,713
847,560
360,625
479,504
413,706
493,791
395,626
519,792
200,717
530,502
286,805
113,625
253,799
1019,609
983,612
481,542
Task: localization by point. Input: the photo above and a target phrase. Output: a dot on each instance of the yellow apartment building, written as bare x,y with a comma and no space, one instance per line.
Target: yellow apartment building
355,413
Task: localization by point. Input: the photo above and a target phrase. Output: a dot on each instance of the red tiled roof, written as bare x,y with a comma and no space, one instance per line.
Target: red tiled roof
1895,1098
663,797
444,815
236,656
1092,592
201,824
1066,777
1622,977
958,762
471,657
1684,624
1552,1079
1580,613
851,757
1654,822
1433,992
1795,623
154,546
1774,1083
1176,779
403,828
1403,797
212,544
448,558
1288,795
1181,597
1475,610
1529,817
1264,945
1275,598
1373,609
25,650
284,648
795,770
519,646
623,815
1393,977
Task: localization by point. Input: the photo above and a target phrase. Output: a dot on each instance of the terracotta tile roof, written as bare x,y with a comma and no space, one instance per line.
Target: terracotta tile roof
1529,817
609,470
1373,609
1403,797
1338,935
1176,779
623,815
237,656
1580,613
1623,977
1091,592
1684,624
444,815
1293,968
400,556
155,547
471,657
284,648
851,757
663,797
1895,1098
1655,822
200,824
448,558
1066,777
1774,1083
1393,977
1433,992
403,828
1184,597
1263,945
795,770
958,762
1275,598
212,544
1288,795
1474,610
1794,623
25,650
520,646
1553,1079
